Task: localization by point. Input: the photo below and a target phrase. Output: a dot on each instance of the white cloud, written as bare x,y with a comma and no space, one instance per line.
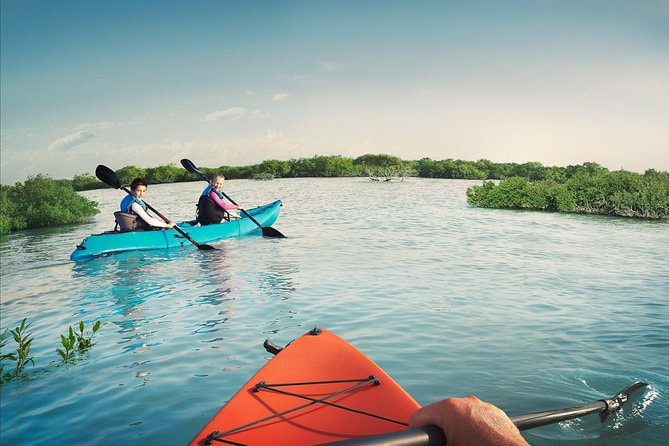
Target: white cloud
257,114
231,114
101,125
280,96
273,134
69,141
250,93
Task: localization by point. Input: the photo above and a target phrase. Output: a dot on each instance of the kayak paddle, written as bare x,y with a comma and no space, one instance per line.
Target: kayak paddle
267,231
108,176
434,436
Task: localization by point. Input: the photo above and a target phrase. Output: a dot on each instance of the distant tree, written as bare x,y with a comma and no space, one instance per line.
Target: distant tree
86,181
127,174
163,174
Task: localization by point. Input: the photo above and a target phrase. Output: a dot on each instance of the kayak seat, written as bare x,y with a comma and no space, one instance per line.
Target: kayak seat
126,222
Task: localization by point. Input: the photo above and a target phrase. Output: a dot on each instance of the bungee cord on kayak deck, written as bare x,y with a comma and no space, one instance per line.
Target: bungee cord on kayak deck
361,382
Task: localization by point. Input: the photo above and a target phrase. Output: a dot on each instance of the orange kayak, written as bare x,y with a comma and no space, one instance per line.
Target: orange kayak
317,389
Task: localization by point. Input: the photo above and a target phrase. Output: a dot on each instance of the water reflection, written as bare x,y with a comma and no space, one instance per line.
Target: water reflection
129,285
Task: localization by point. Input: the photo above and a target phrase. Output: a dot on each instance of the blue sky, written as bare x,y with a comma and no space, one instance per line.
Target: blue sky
237,82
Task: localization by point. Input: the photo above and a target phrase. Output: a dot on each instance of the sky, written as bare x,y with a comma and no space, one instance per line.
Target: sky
147,83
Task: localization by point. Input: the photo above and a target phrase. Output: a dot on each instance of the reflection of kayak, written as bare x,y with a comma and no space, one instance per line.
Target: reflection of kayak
317,389
110,242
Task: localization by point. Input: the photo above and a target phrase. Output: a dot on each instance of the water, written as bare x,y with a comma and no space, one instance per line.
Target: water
528,310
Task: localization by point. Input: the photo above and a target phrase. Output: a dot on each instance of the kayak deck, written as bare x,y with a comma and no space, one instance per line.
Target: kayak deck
318,389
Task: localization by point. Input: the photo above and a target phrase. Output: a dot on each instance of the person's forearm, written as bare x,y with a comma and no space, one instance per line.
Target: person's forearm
137,209
222,204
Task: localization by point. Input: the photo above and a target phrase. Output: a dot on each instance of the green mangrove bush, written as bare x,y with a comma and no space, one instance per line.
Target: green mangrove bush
588,191
42,201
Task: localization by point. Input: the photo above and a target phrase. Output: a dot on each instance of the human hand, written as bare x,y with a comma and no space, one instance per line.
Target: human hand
469,421
171,224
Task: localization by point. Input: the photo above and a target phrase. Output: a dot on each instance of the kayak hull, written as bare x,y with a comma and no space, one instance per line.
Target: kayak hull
326,368
113,242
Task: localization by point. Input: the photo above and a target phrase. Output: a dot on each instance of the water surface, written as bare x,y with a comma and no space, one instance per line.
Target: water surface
528,310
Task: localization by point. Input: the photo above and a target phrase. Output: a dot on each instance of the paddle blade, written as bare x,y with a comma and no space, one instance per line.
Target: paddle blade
107,176
189,166
269,231
205,247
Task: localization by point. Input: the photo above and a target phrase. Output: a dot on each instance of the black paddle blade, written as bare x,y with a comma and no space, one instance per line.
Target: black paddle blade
189,166
107,176
268,231
621,398
205,247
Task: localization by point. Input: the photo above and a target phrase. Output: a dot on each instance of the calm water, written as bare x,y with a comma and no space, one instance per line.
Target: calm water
528,310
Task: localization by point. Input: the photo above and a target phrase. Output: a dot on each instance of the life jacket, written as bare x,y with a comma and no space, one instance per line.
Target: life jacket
126,219
126,204
127,222
208,211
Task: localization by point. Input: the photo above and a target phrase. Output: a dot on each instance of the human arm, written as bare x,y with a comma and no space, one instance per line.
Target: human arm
137,209
469,421
220,203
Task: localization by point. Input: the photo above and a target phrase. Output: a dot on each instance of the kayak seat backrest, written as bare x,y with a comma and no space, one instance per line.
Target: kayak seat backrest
130,222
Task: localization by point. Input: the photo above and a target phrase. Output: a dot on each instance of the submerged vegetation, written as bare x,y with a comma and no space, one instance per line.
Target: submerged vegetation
40,202
73,342
76,341
585,188
20,357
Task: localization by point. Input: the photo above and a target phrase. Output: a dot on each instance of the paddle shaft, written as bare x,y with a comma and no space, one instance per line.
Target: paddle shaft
176,227
242,209
434,436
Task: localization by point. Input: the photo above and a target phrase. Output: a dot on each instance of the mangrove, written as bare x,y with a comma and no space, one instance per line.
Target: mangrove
41,202
619,193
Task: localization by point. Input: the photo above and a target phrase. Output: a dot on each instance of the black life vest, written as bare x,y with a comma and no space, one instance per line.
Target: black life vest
209,212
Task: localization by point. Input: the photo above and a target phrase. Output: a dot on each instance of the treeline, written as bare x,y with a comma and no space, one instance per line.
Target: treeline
589,189
317,166
339,166
584,188
42,201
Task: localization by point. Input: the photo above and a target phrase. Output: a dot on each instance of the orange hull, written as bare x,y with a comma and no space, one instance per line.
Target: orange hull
317,415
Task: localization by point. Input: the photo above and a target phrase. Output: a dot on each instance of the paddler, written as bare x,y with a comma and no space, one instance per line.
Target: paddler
211,207
133,204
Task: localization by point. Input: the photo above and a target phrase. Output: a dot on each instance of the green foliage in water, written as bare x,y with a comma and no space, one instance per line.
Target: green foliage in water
589,189
40,202
72,342
21,357
76,341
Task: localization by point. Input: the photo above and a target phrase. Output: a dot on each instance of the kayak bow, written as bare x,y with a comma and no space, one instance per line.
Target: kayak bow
317,389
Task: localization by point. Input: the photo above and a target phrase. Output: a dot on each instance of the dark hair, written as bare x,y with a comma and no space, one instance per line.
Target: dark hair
138,182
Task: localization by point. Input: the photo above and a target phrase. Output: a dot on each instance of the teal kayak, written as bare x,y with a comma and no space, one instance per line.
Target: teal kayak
114,241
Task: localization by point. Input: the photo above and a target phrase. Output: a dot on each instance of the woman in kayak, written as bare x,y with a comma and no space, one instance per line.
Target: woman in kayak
469,421
211,208
133,204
